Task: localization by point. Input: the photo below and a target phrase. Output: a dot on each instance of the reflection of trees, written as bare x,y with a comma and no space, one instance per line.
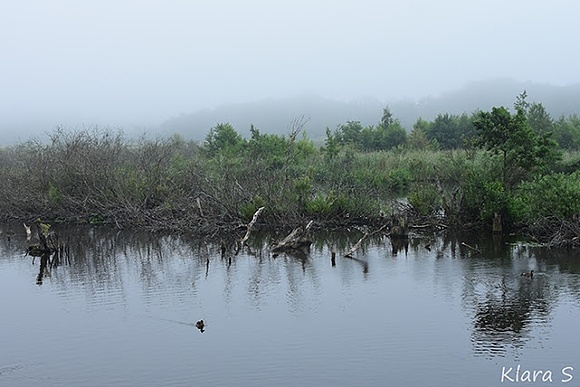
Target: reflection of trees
503,306
503,315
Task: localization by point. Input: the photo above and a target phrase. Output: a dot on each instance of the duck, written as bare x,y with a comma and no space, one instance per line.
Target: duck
529,274
200,325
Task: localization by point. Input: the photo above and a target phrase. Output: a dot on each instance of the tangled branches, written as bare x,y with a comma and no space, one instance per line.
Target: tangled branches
555,232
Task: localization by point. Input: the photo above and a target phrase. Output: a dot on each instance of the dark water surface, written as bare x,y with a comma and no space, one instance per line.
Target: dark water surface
122,312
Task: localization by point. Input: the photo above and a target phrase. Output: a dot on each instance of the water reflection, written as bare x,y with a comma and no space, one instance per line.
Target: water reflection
506,307
406,292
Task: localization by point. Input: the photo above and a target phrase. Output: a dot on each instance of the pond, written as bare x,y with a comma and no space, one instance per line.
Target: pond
121,310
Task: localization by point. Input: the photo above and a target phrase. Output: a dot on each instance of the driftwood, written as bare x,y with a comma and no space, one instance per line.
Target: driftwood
296,240
354,248
243,241
470,247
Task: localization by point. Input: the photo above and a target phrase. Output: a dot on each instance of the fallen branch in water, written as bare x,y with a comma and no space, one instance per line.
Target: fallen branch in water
249,229
295,240
470,247
360,241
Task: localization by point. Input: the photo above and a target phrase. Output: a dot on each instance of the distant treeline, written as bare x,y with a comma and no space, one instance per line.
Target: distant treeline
456,171
274,115
449,131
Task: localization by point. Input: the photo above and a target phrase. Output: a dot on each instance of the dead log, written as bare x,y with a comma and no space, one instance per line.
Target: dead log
243,241
471,247
296,240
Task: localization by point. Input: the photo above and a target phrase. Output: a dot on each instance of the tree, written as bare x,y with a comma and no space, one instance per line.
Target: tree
521,103
444,129
222,137
523,153
391,136
567,132
539,119
417,139
331,144
508,136
387,118
390,133
350,132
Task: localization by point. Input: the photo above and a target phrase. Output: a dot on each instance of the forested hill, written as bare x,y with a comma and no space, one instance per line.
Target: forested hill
275,115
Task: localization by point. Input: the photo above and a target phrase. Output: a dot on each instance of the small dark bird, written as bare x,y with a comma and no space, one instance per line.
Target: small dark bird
200,325
529,274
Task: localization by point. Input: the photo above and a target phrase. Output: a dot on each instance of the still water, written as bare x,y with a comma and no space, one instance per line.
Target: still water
121,311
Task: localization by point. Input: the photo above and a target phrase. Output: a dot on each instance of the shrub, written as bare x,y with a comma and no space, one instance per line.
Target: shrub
425,199
552,195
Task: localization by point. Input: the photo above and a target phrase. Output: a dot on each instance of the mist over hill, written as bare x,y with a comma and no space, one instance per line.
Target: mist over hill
276,115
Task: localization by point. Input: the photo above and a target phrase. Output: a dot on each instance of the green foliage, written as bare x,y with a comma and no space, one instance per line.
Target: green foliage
417,139
222,138
546,196
425,199
331,144
270,148
320,205
96,175
354,206
450,131
391,136
54,194
303,188
388,134
569,164
523,153
483,196
539,119
567,132
399,179
249,208
387,118
349,132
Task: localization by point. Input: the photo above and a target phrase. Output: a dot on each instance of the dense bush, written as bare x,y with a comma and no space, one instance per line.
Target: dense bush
99,176
556,195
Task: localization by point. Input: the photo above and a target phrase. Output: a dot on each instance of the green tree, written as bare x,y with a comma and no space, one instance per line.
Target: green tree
350,132
445,130
389,133
510,137
222,137
387,118
523,153
539,119
521,103
417,139
331,144
269,148
567,132
391,136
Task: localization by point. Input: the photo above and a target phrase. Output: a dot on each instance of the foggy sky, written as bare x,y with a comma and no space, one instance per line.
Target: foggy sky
123,62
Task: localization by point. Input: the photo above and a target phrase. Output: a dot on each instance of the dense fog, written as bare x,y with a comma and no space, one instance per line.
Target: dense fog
138,64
